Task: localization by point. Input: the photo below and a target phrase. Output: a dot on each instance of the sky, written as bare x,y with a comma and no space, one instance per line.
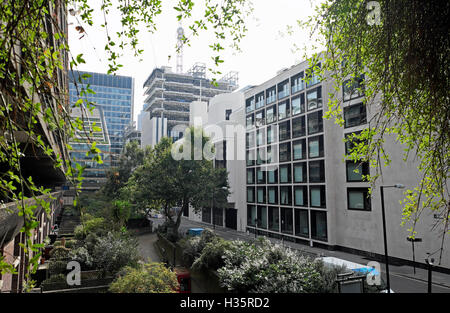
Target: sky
266,49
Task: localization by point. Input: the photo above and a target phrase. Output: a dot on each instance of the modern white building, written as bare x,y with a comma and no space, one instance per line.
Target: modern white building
223,121
301,188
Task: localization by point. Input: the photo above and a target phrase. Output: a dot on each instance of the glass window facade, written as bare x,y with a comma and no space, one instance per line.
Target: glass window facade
114,96
292,191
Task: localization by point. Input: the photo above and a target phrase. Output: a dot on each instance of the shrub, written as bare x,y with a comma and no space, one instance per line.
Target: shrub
114,251
73,244
193,246
59,253
211,257
57,267
267,268
82,256
146,278
54,279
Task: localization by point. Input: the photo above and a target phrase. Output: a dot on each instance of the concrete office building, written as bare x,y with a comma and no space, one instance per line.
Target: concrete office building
300,189
114,94
221,120
168,96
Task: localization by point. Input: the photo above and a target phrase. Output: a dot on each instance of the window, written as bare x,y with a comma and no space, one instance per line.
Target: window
262,217
227,114
287,221
285,195
315,122
301,223
300,196
260,118
261,156
250,176
261,195
316,171
250,157
271,134
300,172
260,176
251,215
272,195
271,95
283,110
250,140
285,152
314,98
298,127
250,194
297,83
283,89
259,100
271,113
358,199
285,173
298,104
250,123
272,176
311,77
274,219
353,88
317,196
351,141
319,225
315,146
356,171
299,148
260,137
284,130
272,156
355,115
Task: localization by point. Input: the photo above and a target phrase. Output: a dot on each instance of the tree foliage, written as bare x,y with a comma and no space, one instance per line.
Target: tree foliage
34,58
170,183
402,51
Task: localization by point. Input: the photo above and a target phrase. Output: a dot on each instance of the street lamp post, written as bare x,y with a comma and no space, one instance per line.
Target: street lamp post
429,260
383,215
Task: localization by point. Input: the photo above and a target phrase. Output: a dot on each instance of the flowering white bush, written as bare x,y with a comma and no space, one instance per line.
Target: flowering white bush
82,255
113,251
267,267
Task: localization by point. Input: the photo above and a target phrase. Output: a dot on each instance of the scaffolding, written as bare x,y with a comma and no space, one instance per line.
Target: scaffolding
231,78
198,70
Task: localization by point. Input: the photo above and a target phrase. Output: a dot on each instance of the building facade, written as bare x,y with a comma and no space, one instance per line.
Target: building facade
299,185
223,121
114,95
168,97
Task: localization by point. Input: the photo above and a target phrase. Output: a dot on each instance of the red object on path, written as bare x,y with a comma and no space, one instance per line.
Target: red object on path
184,279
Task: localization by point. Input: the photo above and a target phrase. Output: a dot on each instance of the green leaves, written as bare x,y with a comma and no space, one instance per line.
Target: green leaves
405,88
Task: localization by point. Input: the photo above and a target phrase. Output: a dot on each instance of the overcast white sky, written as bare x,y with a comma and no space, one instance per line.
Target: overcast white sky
264,49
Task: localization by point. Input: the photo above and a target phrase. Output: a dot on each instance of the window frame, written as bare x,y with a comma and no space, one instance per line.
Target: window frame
367,203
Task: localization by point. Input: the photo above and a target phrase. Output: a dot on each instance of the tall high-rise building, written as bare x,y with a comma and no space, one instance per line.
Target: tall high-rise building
169,95
114,95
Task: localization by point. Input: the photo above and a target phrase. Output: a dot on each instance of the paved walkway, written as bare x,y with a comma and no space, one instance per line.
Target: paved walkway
402,277
147,248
